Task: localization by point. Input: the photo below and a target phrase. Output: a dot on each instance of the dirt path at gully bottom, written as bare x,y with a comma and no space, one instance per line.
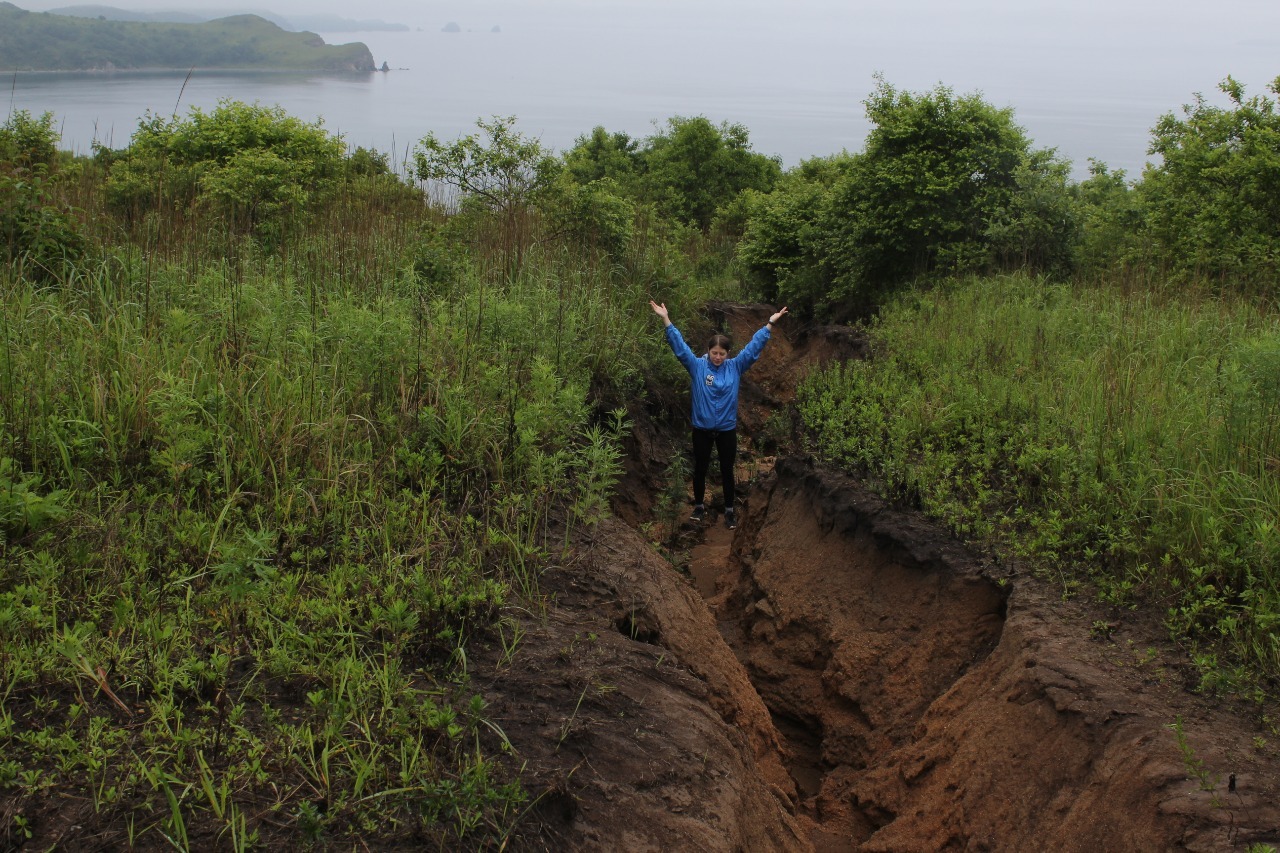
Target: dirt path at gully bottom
839,674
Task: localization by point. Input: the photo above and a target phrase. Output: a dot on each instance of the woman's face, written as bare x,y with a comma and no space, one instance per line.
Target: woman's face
717,355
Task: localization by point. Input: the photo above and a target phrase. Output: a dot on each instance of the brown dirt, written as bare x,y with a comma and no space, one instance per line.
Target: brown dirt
839,674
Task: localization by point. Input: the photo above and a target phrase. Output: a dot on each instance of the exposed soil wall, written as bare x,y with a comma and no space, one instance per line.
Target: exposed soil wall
953,704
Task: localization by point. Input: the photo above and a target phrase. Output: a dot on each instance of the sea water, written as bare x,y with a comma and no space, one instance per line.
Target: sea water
796,81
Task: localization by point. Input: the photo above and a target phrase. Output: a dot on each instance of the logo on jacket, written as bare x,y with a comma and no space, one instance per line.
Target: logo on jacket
711,379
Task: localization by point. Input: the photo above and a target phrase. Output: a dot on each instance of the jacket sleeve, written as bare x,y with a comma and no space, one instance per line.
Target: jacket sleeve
752,350
681,349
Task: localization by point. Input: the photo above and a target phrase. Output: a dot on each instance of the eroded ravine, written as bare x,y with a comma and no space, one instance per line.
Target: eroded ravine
917,713
840,674
848,638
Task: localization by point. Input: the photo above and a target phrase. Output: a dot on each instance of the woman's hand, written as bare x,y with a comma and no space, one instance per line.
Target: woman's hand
776,317
661,311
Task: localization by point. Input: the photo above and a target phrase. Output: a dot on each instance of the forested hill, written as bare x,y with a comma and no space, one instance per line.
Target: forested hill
41,41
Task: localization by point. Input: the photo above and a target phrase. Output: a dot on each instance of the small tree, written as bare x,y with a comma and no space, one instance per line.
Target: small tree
37,231
595,214
936,171
694,168
27,142
498,171
1111,222
778,247
1213,202
946,185
615,156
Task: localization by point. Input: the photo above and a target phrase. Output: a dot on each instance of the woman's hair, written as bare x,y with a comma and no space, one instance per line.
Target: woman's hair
721,341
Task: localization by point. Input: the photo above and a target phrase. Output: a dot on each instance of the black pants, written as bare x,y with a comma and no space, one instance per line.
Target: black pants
726,445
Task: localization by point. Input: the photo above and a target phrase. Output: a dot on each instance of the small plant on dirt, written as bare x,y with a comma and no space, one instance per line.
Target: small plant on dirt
672,500
1193,763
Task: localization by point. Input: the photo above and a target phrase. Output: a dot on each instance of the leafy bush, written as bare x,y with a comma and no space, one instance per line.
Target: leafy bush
26,142
615,156
500,169
594,214
687,172
1213,202
779,246
1111,220
694,168
946,185
254,166
36,231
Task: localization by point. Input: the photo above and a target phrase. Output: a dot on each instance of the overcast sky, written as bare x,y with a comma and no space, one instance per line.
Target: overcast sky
1250,19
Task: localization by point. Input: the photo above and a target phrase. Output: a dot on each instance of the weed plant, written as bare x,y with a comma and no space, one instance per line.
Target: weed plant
262,494
1132,435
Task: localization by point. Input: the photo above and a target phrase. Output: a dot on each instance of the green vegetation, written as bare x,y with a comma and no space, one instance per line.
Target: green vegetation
277,470
1122,426
253,167
287,439
946,185
1132,437
690,172
41,41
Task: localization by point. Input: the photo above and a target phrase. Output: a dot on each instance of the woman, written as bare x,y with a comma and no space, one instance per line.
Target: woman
714,388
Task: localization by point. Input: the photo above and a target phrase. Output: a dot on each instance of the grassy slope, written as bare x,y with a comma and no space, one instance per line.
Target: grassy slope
304,482
1132,438
32,41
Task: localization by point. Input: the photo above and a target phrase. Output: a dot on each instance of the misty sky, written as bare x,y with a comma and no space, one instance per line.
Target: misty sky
992,20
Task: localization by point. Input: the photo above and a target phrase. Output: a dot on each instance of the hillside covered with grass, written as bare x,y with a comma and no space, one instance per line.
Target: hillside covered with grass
43,41
287,440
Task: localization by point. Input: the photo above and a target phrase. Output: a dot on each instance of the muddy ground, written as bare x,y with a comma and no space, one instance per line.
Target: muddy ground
839,674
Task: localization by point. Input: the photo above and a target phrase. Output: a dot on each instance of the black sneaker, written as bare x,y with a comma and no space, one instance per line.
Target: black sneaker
699,512
730,518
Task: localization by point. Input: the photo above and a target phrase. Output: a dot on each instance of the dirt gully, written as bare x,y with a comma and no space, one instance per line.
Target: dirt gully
928,699
837,674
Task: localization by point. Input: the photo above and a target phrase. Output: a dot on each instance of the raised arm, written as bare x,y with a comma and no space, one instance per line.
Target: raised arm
674,339
661,311
755,346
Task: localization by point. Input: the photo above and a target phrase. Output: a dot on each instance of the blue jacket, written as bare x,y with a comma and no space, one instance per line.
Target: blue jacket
715,389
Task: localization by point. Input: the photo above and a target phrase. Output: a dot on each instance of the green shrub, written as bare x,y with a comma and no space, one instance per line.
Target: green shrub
27,142
1212,203
38,233
254,166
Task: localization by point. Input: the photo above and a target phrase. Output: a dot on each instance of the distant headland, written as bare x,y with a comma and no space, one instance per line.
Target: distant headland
46,41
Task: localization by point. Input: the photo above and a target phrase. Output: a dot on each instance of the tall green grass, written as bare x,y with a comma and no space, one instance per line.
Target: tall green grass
1130,436
261,497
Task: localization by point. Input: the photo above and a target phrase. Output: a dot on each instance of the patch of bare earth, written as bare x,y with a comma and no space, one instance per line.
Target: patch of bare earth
839,674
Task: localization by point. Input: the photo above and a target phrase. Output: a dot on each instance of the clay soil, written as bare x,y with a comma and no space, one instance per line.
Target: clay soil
839,674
